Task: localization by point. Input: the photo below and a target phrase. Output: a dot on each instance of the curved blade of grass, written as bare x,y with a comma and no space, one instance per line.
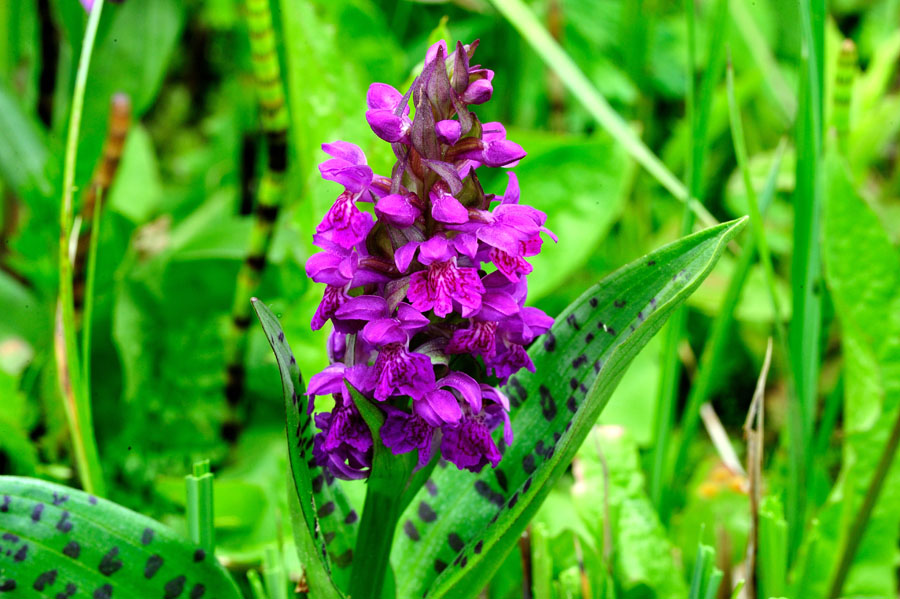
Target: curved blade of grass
76,401
327,531
59,542
522,18
460,518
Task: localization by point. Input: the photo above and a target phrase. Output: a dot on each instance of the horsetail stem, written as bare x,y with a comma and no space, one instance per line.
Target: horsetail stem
274,117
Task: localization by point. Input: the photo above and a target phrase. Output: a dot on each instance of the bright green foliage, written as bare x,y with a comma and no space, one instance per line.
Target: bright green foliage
57,541
585,354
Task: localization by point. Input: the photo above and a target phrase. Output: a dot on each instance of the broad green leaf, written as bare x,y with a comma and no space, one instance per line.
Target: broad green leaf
23,154
61,542
461,518
326,541
867,303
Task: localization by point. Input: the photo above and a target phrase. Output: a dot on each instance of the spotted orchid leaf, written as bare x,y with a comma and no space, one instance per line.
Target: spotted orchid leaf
326,533
60,542
457,531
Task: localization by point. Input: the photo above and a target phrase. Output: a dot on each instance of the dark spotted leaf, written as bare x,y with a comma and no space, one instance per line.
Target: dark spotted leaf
327,530
465,524
59,542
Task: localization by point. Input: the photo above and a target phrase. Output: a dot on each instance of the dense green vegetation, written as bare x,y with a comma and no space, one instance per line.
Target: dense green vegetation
764,414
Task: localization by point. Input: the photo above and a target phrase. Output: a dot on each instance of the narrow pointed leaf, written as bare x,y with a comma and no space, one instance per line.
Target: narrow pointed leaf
467,523
326,541
61,542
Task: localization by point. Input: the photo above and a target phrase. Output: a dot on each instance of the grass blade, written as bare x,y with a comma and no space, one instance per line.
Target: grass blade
76,402
533,31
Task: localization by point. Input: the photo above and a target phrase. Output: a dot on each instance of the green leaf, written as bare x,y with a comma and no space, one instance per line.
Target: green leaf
325,543
579,362
55,539
23,154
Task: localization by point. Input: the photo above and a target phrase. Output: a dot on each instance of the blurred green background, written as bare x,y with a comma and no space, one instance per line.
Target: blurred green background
177,222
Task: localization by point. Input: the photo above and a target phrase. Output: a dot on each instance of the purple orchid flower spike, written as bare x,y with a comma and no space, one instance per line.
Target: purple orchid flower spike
426,290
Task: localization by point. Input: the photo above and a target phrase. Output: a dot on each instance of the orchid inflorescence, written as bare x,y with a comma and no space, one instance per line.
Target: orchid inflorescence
427,299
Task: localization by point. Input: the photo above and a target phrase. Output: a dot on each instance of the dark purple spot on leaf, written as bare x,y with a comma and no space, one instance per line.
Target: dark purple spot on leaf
513,499
463,561
8,585
589,338
174,587
5,506
352,517
67,592
619,303
426,513
456,543
439,566
64,525
479,546
549,342
573,382
548,404
109,565
45,579
326,510
485,491
72,549
59,499
199,555
92,500
528,464
343,560
36,512
21,554
573,322
104,592
197,591
329,536
8,536
410,529
651,262
154,563
501,479
571,404
147,536
317,483
593,302
527,485
579,361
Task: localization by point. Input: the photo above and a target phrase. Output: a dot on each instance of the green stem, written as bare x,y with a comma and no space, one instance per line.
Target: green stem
88,315
858,527
76,402
371,560
200,512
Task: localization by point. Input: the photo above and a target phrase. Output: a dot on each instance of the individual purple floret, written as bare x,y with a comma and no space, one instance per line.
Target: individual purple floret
426,291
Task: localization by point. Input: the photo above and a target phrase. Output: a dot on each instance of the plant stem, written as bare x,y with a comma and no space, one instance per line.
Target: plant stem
200,512
76,402
88,314
371,560
858,527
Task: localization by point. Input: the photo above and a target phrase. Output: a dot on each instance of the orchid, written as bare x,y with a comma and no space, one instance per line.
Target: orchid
421,265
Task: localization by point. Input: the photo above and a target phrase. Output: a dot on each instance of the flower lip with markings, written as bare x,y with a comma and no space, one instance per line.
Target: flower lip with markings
426,291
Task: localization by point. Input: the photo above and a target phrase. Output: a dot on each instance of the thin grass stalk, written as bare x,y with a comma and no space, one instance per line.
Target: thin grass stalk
274,116
523,20
75,401
199,503
88,310
719,338
806,270
858,526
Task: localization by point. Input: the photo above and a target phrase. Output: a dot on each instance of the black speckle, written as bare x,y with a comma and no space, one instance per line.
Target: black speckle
439,566
549,341
197,591
619,303
351,517
479,546
21,554
589,338
59,499
495,516
64,524
73,549
174,587
597,365
8,536
485,491
8,585
431,487
548,404
317,483
571,404
556,437
109,565
426,513
501,479
528,464
343,560
36,512
45,579
573,382
199,555
513,499
641,315
326,510
147,536
281,336
568,425
579,361
527,485
329,536
104,592
410,529
651,262
154,563
462,561
4,507
583,388
456,543
593,302
573,322
67,592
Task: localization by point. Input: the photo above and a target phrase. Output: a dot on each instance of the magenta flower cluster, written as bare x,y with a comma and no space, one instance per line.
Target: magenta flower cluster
425,292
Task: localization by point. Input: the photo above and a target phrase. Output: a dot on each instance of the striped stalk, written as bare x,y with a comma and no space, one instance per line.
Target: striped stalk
274,117
94,197
843,91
